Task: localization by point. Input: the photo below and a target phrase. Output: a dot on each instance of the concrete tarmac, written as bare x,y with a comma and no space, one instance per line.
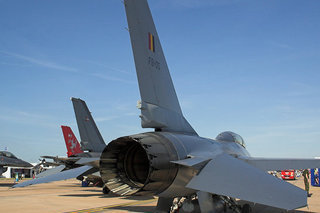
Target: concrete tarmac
68,196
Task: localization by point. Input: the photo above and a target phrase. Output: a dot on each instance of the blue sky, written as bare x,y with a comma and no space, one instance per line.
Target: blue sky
251,67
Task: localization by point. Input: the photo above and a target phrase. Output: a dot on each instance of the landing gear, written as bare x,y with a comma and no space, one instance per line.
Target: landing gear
230,203
105,190
208,203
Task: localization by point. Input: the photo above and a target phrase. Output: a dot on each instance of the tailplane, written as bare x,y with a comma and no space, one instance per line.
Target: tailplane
72,144
91,139
160,108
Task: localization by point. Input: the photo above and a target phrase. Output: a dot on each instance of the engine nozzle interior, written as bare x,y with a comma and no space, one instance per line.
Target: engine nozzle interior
138,164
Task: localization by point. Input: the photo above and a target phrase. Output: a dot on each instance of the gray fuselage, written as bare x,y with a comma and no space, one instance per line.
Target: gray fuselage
145,163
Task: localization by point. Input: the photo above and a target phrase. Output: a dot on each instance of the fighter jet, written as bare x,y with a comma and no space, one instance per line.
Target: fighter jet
173,161
74,152
88,153
92,143
9,159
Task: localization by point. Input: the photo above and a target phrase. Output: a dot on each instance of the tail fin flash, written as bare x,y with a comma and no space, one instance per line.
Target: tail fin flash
91,139
72,144
160,108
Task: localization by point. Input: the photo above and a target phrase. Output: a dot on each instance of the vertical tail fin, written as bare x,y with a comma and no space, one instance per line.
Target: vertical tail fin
72,144
160,108
91,138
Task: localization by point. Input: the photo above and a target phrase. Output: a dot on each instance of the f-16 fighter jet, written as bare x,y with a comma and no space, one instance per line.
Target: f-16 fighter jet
8,159
88,153
173,161
92,143
74,151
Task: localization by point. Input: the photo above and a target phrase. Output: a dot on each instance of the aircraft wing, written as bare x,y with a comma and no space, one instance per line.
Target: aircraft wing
68,174
228,176
192,161
89,161
49,157
51,171
62,159
52,164
276,164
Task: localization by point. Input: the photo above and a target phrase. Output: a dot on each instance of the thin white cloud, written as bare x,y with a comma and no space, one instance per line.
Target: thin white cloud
281,45
14,64
108,118
123,106
111,78
113,117
109,68
39,62
23,117
302,89
191,3
194,3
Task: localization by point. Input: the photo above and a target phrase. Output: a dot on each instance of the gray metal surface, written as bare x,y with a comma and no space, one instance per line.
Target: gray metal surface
72,173
142,163
164,205
199,148
170,161
85,158
160,107
51,171
206,202
165,162
228,176
91,139
89,161
276,164
139,164
191,162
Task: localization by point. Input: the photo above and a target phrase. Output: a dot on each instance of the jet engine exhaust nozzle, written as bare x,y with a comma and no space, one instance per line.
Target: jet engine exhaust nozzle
138,164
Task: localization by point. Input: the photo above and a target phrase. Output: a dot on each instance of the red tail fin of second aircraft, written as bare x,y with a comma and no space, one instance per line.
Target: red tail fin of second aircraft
72,144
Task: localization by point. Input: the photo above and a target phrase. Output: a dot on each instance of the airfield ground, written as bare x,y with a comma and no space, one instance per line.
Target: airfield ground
68,196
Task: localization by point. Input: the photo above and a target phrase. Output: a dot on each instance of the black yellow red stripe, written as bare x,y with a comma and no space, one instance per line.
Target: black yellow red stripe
151,42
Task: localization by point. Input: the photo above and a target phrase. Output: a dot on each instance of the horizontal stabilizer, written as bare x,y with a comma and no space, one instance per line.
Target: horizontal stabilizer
51,171
191,162
269,164
54,164
228,176
49,157
59,160
89,161
68,174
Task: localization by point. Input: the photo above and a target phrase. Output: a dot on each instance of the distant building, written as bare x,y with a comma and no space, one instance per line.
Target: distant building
10,173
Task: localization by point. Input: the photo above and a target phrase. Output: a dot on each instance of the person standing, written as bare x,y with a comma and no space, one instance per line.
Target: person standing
306,177
17,177
316,176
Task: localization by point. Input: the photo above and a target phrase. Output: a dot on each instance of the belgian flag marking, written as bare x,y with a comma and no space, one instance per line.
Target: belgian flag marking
151,42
